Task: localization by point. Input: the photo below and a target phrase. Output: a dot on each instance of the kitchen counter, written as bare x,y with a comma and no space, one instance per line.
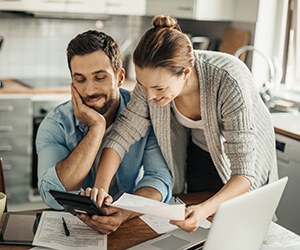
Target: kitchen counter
287,124
12,86
279,238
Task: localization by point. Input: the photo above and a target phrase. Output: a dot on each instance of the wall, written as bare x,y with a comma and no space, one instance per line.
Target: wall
37,47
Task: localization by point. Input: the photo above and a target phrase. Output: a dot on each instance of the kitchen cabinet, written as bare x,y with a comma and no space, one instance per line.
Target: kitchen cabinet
206,10
229,10
16,145
86,6
176,8
128,7
215,10
114,7
12,5
65,6
45,5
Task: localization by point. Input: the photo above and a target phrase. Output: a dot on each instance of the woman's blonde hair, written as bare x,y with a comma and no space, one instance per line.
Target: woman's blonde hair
164,45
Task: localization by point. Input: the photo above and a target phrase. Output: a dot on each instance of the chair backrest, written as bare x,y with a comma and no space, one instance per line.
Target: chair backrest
2,184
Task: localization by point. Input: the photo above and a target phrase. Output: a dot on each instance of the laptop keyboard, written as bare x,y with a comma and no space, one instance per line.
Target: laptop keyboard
197,247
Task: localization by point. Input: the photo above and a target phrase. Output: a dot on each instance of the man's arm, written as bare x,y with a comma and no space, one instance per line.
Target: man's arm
73,170
61,166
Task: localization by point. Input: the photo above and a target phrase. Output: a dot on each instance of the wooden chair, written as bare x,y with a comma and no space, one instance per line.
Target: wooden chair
2,184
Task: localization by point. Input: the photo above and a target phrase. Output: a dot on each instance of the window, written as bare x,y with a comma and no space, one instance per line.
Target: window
291,62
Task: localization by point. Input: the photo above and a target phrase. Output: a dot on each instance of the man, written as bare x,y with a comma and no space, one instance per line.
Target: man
70,137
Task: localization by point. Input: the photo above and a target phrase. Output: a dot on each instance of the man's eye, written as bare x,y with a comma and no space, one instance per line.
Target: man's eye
161,89
99,78
79,79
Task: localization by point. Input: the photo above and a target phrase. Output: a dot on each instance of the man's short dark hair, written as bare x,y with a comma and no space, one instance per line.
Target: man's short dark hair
91,41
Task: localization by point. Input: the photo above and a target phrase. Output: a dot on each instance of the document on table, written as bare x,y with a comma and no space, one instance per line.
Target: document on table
50,233
147,206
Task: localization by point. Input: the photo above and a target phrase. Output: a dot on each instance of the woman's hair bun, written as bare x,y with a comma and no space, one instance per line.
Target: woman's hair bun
165,21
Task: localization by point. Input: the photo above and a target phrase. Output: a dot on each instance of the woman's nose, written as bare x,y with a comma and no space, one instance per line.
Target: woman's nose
150,94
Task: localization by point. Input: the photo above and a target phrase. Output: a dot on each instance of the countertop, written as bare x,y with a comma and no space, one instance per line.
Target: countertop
287,124
279,238
12,86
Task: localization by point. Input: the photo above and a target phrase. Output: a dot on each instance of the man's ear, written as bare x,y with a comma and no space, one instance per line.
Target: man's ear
187,73
121,77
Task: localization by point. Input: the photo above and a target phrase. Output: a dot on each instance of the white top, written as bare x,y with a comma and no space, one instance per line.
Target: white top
196,127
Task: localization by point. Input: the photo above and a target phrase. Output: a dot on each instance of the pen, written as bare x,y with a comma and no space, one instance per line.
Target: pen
65,227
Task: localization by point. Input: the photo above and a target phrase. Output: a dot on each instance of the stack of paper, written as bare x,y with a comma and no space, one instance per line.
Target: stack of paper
51,234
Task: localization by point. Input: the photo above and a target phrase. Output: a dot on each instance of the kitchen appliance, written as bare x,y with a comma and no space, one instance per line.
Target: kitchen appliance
200,42
41,104
288,159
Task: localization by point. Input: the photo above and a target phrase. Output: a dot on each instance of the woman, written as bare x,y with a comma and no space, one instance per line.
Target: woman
201,98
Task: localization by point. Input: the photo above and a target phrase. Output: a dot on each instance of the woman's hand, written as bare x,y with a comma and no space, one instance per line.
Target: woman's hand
114,216
99,195
193,216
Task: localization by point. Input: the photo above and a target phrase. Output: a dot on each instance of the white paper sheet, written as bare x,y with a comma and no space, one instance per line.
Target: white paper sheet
50,233
147,206
161,225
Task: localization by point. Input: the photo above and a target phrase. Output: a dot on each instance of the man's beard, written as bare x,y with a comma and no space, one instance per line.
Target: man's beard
105,107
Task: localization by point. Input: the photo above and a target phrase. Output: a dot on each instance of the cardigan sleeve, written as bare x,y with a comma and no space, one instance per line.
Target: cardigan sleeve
132,125
238,127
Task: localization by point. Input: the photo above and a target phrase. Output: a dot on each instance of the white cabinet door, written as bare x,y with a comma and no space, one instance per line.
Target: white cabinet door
128,7
246,11
45,5
86,6
227,10
176,8
11,5
215,10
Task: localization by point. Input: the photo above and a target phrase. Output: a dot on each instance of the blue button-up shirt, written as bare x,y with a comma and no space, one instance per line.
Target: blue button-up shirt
59,134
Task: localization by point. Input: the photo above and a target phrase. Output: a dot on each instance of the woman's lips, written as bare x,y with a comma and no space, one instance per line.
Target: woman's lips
158,99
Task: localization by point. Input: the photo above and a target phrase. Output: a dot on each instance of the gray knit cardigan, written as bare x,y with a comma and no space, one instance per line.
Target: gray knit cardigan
237,125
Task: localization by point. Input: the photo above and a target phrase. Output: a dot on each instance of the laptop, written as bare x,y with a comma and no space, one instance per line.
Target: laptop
239,223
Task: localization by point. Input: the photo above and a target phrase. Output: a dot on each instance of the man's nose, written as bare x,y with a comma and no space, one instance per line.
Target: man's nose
89,88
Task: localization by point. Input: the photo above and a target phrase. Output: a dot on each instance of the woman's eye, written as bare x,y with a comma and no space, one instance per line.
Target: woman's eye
161,89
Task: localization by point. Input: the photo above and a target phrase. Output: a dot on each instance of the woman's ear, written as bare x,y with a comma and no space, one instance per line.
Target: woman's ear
187,73
121,77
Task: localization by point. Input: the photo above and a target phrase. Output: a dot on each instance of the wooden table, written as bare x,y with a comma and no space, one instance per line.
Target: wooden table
132,232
